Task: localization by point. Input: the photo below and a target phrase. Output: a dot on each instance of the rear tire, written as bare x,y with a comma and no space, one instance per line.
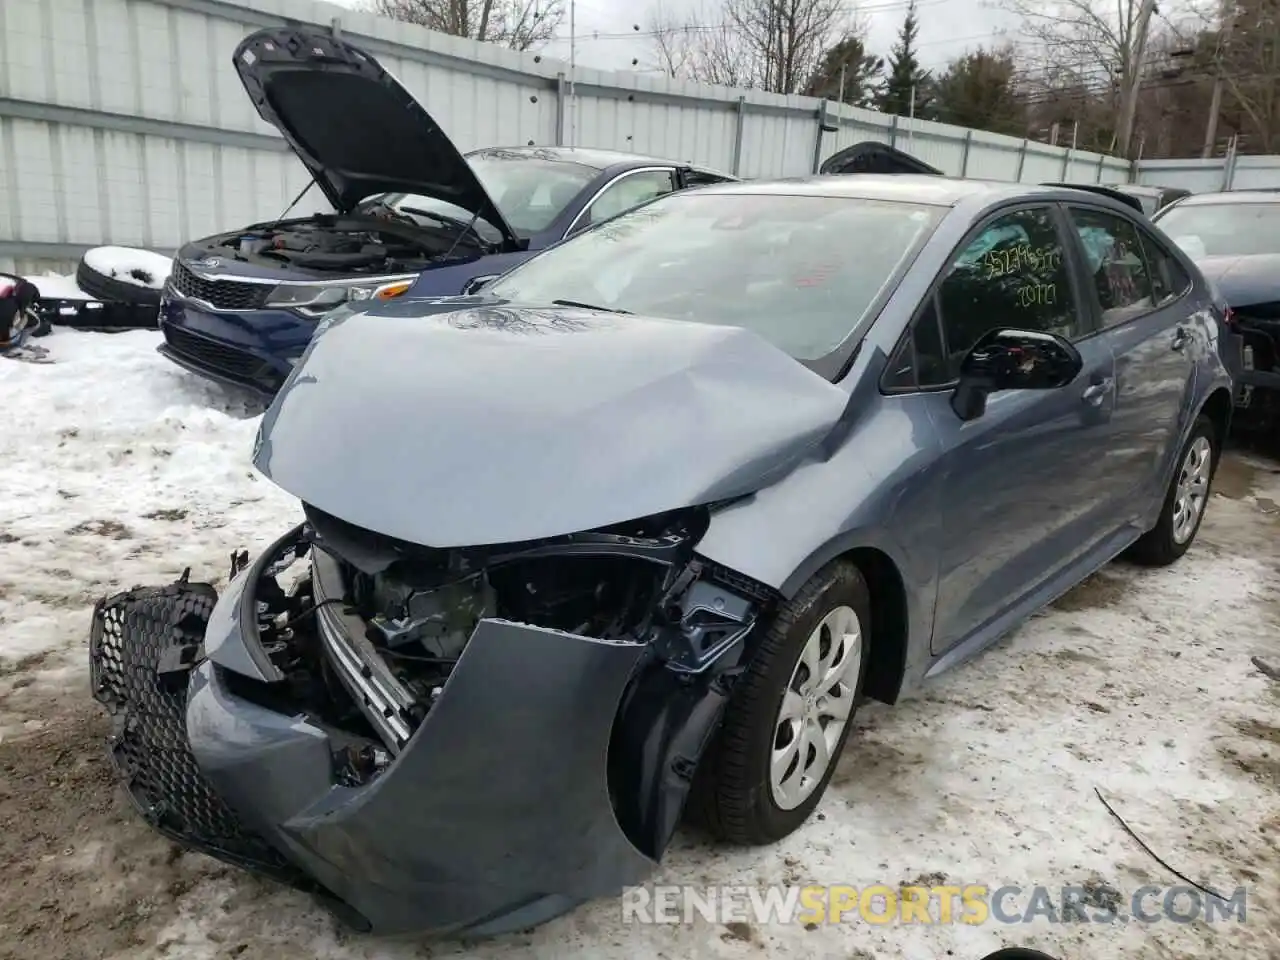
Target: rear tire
780,719
1185,501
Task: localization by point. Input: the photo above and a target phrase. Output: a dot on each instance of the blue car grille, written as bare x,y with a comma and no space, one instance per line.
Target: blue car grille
223,294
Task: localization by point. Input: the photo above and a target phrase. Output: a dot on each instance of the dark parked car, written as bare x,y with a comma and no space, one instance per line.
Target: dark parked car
412,213
1234,238
630,533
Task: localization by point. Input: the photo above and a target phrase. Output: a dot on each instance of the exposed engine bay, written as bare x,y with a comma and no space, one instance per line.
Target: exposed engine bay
379,240
368,636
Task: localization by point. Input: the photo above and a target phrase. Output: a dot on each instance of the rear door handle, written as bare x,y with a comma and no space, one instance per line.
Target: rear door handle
1181,337
1097,391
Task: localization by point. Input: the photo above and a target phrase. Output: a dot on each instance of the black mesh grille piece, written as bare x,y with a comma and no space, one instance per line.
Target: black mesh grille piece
223,294
135,637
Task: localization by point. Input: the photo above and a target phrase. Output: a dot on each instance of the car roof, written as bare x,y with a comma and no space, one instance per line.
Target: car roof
905,187
587,156
1233,196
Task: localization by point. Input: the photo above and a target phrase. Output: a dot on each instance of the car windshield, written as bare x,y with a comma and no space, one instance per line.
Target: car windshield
1223,229
800,271
530,191
429,210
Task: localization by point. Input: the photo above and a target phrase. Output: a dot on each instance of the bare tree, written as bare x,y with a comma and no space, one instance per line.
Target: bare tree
695,49
1094,43
774,45
518,24
1249,62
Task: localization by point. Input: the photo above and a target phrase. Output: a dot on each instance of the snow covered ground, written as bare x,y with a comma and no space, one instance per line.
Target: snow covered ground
119,468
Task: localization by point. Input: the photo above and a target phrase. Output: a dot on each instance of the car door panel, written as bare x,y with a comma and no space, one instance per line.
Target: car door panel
1146,322
1017,504
1019,500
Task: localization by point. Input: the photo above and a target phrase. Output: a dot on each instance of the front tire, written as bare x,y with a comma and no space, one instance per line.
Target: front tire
1185,501
791,712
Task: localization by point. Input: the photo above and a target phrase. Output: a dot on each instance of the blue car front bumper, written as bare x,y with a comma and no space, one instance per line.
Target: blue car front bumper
494,816
253,349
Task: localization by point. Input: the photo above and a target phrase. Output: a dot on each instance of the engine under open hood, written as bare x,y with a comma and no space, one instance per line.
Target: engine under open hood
352,124
465,426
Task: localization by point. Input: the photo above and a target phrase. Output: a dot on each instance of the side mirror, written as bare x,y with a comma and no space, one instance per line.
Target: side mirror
1013,360
476,284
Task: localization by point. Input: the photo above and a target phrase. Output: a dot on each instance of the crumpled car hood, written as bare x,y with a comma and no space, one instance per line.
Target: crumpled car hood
492,423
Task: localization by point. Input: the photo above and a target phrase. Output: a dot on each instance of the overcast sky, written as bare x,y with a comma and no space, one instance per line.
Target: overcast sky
607,38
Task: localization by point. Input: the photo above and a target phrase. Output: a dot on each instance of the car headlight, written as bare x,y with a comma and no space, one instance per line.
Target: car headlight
317,300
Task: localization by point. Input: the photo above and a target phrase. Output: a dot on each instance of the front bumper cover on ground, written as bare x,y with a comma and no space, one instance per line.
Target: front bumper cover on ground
501,811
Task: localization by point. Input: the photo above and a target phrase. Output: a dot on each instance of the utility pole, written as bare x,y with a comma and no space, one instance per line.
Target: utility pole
1215,102
573,73
843,67
1133,75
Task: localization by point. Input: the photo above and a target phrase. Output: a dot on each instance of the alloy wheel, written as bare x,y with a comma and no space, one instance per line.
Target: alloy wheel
1192,489
816,706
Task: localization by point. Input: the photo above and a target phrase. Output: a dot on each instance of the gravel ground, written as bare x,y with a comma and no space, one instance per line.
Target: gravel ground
1141,683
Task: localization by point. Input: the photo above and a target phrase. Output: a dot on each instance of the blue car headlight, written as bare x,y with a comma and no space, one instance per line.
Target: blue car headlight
315,300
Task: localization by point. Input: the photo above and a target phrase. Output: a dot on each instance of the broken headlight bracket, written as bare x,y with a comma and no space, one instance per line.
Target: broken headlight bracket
706,620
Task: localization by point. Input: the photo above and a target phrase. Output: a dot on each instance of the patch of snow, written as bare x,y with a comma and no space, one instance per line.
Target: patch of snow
142,268
53,286
119,468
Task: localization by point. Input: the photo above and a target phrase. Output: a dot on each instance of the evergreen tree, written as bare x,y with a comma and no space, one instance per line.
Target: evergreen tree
906,75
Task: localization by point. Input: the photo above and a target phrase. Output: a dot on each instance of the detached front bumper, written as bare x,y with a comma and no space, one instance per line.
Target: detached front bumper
495,816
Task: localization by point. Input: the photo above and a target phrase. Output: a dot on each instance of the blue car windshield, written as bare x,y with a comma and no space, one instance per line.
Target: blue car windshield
529,192
800,271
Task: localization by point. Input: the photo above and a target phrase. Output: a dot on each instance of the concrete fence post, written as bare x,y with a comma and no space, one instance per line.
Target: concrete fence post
893,131
739,124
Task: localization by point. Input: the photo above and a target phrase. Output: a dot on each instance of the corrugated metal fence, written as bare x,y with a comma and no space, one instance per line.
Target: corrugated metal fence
123,121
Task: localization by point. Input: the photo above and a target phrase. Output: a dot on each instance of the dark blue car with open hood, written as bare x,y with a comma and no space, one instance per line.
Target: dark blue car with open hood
411,212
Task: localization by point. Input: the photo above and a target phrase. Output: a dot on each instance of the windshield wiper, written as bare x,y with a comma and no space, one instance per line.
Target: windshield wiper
588,306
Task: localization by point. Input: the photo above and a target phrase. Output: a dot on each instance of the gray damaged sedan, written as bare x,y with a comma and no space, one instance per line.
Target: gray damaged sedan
629,534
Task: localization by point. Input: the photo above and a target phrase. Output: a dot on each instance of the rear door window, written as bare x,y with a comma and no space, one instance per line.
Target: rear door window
1114,261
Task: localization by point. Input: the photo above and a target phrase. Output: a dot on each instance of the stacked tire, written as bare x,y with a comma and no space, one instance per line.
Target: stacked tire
122,287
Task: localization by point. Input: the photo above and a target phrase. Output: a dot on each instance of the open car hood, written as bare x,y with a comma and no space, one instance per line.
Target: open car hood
352,124
872,156
486,424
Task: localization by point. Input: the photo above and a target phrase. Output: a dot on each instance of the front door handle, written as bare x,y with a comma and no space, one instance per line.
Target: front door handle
1097,391
1181,337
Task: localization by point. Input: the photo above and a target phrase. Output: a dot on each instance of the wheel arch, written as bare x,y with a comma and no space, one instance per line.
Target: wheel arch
891,618
1218,408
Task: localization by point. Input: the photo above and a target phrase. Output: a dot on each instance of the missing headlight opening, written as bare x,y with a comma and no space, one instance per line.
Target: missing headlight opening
370,631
